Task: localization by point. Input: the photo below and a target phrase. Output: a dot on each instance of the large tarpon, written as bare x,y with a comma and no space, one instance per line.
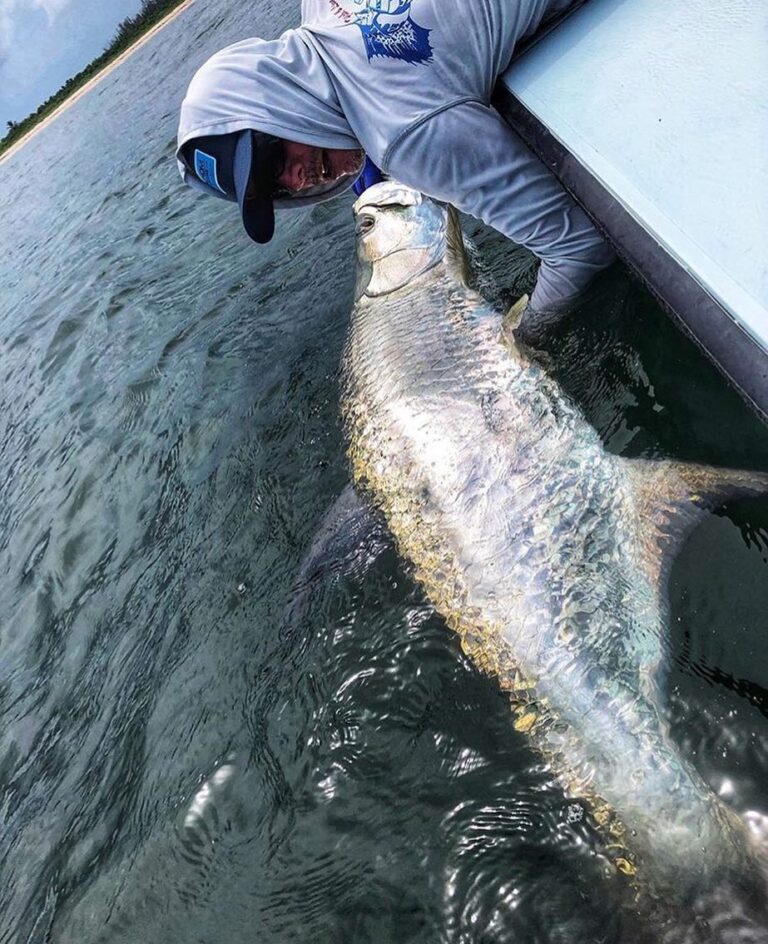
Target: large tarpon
546,553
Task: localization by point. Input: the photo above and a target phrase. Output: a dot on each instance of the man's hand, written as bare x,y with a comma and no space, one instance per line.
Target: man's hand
534,326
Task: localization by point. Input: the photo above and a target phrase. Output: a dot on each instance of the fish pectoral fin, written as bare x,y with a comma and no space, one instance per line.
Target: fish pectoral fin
672,497
456,258
351,536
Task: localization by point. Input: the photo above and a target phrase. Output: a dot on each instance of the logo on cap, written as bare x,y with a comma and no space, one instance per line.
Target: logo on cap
205,168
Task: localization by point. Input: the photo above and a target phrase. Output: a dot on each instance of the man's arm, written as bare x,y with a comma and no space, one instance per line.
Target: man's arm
468,156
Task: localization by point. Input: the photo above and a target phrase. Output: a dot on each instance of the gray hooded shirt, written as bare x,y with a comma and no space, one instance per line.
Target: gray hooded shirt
411,82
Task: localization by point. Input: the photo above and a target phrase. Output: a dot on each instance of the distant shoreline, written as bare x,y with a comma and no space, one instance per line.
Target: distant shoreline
92,82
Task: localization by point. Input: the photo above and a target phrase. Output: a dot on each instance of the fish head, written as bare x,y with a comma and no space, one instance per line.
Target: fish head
400,235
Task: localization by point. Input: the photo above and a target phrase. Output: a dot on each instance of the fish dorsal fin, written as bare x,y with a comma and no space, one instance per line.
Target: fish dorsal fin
456,258
670,498
512,319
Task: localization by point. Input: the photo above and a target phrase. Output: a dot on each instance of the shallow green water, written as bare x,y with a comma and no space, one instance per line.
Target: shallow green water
170,442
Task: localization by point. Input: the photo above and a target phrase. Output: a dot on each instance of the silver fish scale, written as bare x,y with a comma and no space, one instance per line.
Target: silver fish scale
521,529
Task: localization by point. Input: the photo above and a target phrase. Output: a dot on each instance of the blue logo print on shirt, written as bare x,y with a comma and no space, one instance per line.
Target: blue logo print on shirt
388,30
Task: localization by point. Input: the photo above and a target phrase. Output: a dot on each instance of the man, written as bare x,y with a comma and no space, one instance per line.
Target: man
286,122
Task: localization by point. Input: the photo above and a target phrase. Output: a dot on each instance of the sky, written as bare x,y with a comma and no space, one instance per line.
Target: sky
45,42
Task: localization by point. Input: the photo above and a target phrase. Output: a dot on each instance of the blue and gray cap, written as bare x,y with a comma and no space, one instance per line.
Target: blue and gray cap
242,167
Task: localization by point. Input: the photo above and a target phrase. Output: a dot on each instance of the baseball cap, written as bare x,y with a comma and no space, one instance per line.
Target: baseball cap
243,167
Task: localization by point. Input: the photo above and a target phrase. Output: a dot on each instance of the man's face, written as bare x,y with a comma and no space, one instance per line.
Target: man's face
307,166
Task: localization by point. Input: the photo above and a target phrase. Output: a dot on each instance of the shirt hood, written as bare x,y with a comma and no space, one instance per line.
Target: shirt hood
278,86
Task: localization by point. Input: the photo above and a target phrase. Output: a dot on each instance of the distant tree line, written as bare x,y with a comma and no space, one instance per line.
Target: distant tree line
127,33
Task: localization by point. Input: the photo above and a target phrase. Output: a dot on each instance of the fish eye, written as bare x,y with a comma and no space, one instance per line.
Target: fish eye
366,223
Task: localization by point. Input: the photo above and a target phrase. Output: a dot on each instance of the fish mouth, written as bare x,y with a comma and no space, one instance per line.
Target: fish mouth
401,249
